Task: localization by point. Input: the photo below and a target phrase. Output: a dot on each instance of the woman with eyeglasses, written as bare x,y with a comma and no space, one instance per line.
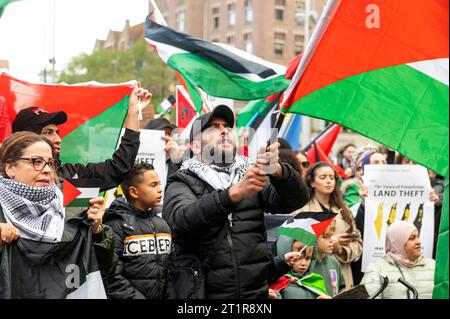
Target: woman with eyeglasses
31,206
322,181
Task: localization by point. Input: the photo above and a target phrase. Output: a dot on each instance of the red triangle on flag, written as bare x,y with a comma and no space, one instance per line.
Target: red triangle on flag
320,227
185,109
70,192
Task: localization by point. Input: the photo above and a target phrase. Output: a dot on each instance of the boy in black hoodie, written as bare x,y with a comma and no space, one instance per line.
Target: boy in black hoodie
143,240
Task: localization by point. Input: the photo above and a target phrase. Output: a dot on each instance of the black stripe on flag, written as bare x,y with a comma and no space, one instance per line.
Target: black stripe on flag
319,216
85,182
205,49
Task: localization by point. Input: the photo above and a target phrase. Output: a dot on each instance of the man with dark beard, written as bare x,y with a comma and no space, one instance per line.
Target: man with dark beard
214,205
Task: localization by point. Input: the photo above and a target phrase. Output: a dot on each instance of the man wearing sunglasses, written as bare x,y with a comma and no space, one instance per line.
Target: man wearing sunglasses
112,171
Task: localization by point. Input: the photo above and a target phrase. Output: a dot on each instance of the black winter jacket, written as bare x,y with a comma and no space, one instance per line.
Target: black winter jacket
112,172
143,243
243,263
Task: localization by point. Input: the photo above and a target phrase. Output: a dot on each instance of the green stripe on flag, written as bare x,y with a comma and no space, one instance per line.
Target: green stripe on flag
96,140
398,106
80,202
248,112
442,266
299,234
226,84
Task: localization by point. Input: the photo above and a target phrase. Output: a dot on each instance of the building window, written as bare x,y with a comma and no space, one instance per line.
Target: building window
299,43
280,6
279,49
232,14
298,49
248,41
248,11
279,14
281,36
231,40
181,21
300,6
216,18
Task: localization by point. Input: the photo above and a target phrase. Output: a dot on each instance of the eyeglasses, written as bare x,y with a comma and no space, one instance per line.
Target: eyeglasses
306,164
39,163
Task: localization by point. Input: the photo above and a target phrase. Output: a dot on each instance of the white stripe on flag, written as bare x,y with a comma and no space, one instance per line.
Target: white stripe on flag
88,192
304,224
436,68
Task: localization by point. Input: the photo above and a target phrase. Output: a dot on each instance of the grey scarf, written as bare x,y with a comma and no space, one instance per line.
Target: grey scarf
36,211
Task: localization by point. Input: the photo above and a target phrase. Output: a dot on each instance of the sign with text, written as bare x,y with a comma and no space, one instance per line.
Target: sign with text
396,192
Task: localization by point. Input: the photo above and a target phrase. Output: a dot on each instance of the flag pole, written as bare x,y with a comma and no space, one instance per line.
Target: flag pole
159,17
278,123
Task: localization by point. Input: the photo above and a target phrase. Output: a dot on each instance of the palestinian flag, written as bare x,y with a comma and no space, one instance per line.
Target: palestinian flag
167,105
65,270
185,109
260,116
388,82
78,192
96,113
313,282
3,4
319,149
218,69
307,227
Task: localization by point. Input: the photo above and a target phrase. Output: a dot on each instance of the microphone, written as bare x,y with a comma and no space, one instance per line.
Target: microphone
385,283
410,287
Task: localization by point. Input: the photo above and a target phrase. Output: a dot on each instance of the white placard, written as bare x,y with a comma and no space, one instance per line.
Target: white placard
396,192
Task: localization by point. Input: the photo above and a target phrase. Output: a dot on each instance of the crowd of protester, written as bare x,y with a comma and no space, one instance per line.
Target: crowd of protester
209,238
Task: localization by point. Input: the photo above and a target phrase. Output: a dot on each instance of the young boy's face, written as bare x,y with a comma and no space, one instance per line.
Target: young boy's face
302,264
324,243
149,191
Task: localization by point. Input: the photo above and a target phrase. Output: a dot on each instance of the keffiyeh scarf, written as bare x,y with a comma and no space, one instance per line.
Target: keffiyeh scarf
36,211
219,178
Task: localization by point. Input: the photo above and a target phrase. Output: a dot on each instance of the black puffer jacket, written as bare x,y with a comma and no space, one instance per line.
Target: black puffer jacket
242,263
143,243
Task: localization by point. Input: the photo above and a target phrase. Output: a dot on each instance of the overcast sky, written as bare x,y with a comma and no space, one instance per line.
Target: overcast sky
26,30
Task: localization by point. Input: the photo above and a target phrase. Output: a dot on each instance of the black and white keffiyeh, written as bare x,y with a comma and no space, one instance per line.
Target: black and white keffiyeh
36,211
219,178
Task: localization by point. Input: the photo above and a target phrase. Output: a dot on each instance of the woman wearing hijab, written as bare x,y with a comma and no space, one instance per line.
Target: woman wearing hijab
403,259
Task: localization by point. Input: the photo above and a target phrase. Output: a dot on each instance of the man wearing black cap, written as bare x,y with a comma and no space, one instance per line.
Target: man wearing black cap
111,172
215,202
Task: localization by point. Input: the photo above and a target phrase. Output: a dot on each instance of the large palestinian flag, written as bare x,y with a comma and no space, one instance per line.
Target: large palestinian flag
307,227
96,113
218,69
388,81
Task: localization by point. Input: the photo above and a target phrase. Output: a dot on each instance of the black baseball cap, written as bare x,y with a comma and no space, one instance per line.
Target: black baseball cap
159,124
34,119
221,111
